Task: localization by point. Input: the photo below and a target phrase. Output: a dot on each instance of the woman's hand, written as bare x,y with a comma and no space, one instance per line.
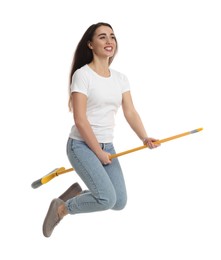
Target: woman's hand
104,157
150,142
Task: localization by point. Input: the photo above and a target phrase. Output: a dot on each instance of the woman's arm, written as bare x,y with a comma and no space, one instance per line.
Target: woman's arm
79,102
135,121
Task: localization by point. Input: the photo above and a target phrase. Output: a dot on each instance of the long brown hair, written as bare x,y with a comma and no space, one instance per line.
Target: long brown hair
83,54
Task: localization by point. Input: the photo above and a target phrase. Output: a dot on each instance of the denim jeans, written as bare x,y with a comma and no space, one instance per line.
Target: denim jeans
105,183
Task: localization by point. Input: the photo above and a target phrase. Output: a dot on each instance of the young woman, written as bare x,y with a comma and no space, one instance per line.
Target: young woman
96,93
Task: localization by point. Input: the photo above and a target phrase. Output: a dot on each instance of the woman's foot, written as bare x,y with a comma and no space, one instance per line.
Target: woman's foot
56,212
72,191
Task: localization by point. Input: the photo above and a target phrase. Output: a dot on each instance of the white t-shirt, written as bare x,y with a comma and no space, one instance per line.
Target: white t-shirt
104,97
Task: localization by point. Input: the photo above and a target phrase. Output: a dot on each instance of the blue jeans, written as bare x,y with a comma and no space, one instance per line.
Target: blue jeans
105,183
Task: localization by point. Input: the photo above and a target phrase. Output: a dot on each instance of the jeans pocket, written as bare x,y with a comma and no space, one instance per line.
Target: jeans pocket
77,144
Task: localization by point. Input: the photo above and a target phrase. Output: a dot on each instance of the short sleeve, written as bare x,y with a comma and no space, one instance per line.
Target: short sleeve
125,83
79,82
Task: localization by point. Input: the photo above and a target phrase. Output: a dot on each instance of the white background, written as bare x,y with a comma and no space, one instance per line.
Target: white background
170,51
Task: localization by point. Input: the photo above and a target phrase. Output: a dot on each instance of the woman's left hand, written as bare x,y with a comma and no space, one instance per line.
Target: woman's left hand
150,142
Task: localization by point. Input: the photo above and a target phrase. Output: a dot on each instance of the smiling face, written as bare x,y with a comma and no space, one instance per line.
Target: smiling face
103,43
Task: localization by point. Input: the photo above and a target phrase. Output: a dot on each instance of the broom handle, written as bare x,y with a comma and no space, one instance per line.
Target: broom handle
62,170
146,146
156,142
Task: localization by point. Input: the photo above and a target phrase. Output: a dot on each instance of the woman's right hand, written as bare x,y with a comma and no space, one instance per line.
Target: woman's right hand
104,157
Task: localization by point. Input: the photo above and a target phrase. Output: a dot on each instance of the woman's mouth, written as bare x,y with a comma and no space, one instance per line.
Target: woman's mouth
108,48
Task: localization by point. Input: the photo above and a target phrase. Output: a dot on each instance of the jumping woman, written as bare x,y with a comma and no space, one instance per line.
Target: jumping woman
96,93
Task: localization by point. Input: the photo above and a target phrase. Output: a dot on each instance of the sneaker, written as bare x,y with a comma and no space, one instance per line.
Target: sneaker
53,217
71,192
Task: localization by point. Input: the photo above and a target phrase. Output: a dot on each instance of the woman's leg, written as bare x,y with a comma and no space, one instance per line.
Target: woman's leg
116,176
101,194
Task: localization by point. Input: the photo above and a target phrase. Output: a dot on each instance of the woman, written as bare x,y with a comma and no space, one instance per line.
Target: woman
96,93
